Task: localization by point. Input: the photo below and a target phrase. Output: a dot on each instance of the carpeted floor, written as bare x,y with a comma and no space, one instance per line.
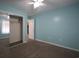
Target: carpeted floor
35,49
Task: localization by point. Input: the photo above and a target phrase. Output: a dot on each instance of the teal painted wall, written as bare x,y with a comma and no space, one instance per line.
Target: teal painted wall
60,26
12,9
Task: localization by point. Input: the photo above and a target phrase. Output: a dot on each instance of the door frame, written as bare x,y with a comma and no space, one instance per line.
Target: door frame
21,22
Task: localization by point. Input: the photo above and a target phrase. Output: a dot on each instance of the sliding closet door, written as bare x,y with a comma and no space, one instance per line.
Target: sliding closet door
15,30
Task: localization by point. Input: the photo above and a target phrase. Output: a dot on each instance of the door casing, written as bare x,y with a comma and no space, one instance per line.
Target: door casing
20,20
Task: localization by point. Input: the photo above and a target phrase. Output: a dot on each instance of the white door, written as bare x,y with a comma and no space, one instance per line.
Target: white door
15,31
31,28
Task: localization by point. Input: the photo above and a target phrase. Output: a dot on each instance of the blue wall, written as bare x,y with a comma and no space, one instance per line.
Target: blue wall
12,9
60,26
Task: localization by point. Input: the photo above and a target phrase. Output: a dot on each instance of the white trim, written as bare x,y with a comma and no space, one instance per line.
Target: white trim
58,45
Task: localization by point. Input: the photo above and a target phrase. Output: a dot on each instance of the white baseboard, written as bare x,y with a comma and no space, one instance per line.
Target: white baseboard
59,45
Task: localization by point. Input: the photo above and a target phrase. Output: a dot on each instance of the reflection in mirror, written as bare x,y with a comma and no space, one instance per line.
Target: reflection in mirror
5,27
4,24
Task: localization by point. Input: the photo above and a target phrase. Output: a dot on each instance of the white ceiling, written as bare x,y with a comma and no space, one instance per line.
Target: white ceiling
50,4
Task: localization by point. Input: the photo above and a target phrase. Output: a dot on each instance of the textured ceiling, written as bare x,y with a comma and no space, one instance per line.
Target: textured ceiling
50,5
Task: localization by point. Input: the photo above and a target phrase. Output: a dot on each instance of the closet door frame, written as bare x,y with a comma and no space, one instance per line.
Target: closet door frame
21,22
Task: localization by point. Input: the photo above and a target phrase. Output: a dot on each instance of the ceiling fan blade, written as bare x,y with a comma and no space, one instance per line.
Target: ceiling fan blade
31,3
40,0
35,0
42,4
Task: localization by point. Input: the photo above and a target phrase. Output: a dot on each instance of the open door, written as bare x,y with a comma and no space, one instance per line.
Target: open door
30,30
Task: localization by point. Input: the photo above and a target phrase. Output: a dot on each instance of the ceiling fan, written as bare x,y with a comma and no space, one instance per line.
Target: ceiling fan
37,3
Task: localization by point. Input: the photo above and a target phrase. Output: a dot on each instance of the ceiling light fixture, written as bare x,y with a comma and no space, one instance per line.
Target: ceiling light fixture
37,3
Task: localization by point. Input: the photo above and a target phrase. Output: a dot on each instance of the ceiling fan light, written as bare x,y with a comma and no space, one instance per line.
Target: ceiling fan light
36,5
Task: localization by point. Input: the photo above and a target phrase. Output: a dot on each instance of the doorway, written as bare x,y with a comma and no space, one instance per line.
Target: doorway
30,29
15,30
